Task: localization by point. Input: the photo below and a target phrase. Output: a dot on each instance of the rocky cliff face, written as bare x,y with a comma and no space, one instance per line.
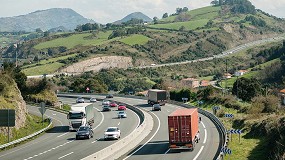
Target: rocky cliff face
96,64
11,98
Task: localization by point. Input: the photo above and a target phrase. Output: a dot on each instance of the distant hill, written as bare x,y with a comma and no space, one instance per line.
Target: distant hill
44,19
136,15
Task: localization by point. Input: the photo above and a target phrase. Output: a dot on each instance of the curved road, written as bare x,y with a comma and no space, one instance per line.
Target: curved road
155,146
59,143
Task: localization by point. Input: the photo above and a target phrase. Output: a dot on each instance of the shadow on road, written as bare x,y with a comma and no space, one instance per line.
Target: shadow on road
154,147
58,129
144,105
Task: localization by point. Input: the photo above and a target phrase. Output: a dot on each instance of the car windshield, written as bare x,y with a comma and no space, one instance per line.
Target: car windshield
121,113
83,129
75,115
121,105
111,129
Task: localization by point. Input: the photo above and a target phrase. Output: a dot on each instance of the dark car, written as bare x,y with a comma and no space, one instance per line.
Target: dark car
156,107
84,132
106,108
109,96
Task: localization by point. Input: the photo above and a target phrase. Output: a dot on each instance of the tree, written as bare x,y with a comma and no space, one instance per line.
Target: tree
185,9
178,10
182,28
155,20
165,15
246,89
215,2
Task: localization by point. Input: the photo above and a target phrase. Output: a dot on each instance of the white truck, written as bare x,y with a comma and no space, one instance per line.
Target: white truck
156,96
81,114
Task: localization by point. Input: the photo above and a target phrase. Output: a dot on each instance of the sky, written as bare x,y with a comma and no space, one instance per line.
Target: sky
107,11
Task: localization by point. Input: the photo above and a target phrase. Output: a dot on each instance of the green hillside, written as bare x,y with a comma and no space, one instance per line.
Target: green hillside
135,39
75,40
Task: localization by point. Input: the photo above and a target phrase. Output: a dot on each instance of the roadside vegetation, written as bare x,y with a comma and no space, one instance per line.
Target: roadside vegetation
32,125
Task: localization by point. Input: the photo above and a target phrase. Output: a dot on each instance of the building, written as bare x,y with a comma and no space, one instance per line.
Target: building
282,96
227,76
191,82
240,72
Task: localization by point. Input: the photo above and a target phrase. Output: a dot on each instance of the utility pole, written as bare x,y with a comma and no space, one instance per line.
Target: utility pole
226,85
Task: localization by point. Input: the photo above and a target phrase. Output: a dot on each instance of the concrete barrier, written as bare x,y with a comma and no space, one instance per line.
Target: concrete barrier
121,147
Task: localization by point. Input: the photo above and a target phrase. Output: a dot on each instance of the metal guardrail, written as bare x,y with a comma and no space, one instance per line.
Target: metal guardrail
27,137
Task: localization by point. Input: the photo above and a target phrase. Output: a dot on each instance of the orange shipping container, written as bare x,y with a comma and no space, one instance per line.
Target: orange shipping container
183,127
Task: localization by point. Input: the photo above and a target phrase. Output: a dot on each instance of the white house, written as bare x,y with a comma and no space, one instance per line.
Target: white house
240,72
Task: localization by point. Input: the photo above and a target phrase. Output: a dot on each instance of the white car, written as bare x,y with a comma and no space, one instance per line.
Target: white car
122,114
105,102
93,100
112,133
79,100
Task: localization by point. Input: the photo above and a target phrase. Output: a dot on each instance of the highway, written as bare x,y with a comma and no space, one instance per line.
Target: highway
59,143
155,146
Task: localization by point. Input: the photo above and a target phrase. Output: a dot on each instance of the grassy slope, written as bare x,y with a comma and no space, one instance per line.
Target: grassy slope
135,39
189,25
45,66
74,40
250,74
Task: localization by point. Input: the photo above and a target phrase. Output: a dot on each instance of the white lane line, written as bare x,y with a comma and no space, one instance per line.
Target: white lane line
63,134
119,123
94,141
167,151
198,153
147,140
33,143
167,110
203,125
65,155
101,119
54,114
205,136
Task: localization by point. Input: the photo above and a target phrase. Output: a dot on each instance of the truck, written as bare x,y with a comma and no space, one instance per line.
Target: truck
156,96
81,114
183,129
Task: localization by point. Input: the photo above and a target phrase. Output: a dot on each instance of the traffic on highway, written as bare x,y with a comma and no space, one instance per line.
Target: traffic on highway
87,130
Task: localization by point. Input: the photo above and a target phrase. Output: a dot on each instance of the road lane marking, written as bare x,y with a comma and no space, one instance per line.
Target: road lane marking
63,134
147,140
205,139
65,155
119,123
94,141
198,153
203,125
100,121
167,151
167,110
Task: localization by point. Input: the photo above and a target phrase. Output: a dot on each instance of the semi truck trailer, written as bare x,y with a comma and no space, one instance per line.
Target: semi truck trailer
156,96
183,129
80,115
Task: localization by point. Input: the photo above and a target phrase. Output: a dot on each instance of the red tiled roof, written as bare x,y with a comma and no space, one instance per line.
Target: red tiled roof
282,91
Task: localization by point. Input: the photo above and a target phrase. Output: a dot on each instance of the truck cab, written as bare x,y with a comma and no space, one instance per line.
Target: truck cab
76,119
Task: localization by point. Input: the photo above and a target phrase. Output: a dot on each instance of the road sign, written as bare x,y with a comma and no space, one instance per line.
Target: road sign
42,108
7,118
229,115
216,107
235,131
226,150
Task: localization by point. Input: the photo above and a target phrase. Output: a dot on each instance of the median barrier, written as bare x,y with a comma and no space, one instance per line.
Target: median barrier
127,143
